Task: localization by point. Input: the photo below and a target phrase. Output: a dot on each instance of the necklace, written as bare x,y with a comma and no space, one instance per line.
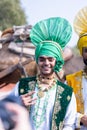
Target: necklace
44,84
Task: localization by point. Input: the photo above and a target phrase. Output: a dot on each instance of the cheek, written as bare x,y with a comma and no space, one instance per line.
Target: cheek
54,63
84,54
40,64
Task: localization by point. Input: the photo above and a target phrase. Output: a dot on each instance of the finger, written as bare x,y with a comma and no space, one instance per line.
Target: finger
29,101
27,98
28,94
32,103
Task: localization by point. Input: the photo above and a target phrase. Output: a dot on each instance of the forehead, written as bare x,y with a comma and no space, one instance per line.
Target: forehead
46,57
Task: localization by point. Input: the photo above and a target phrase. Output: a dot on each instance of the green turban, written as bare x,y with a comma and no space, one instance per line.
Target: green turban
50,49
50,36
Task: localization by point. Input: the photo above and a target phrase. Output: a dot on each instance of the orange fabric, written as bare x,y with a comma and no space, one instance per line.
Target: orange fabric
75,81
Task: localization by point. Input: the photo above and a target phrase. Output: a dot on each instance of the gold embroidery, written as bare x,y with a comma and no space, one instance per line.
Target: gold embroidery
21,90
61,125
75,81
68,98
57,106
54,127
32,85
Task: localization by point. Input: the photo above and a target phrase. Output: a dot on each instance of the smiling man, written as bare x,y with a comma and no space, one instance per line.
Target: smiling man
49,101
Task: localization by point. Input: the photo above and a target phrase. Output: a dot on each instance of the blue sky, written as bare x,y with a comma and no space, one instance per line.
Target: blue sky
37,10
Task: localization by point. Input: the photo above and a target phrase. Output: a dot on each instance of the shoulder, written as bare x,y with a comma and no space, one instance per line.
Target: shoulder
26,84
27,79
65,86
67,90
79,73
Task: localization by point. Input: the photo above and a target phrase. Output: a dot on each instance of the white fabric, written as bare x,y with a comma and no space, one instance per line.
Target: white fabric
84,92
45,125
4,94
69,121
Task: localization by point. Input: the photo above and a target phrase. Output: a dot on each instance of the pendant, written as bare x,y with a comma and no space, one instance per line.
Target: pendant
40,94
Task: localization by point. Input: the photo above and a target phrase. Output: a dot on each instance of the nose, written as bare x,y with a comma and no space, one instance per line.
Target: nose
46,62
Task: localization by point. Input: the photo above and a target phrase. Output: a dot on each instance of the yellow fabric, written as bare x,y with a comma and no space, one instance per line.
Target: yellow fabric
80,27
80,21
82,42
79,120
75,81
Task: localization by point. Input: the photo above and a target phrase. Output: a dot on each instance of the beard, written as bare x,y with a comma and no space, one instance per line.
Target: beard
85,61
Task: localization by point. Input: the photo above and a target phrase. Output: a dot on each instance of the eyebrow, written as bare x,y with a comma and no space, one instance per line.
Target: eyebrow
45,57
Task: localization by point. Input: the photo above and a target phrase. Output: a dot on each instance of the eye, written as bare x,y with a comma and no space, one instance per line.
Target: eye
51,59
41,59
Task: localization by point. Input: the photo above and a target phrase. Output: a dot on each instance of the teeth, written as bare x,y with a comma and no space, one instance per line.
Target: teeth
46,67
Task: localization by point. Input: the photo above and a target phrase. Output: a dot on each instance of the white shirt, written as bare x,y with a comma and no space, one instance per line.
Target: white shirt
43,120
84,93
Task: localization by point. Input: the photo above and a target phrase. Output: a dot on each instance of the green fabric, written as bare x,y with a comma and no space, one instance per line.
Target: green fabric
51,50
55,29
23,85
63,91
58,115
50,36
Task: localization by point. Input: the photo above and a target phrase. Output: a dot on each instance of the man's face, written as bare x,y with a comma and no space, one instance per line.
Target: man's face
84,54
46,65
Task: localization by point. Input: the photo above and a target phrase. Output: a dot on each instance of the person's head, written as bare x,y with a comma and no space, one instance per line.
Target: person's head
82,42
50,36
51,53
82,46
80,27
46,64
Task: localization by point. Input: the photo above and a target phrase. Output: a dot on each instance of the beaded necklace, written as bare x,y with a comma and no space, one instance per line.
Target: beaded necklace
44,84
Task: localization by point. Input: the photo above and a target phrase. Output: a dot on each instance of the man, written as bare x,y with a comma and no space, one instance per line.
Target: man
49,101
78,80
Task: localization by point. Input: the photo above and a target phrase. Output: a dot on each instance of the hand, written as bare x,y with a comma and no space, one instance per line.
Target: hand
27,99
20,117
84,120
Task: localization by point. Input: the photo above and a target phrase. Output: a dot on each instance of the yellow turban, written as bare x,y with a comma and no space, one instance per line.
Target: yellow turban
82,42
80,27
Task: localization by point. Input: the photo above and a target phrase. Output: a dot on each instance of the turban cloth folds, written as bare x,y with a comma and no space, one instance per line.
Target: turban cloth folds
80,27
50,36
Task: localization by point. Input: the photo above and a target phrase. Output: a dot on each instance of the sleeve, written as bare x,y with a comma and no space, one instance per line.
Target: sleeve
15,90
70,117
78,118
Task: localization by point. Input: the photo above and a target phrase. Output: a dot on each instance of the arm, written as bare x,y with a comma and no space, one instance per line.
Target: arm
69,121
15,90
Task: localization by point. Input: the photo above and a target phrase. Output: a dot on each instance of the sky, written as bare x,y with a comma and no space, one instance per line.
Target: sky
37,10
